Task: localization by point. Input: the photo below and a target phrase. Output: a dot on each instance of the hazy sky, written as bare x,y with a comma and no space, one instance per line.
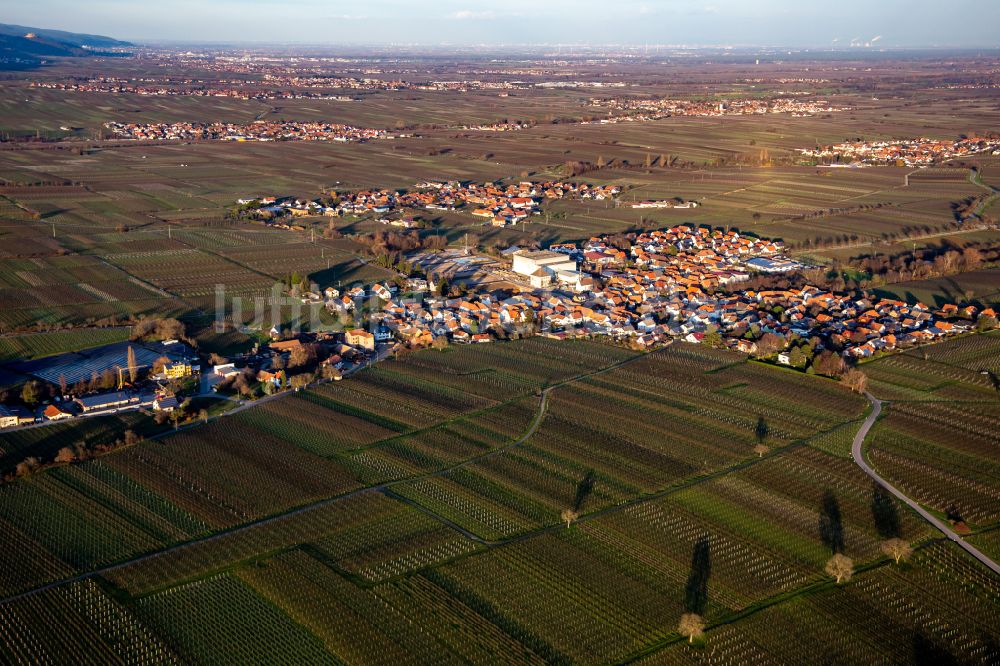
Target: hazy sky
815,23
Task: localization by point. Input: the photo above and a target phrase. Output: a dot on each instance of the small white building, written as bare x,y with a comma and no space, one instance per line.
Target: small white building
226,371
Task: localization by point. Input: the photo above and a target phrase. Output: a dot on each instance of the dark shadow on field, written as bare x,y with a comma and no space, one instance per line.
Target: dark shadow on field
831,523
994,379
951,293
761,430
884,512
336,272
928,653
991,655
696,590
583,490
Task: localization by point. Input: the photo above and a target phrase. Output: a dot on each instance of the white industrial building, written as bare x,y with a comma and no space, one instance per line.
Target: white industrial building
543,267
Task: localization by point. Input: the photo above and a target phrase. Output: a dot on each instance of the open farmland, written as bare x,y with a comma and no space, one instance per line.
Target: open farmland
340,520
530,499
37,345
982,286
938,439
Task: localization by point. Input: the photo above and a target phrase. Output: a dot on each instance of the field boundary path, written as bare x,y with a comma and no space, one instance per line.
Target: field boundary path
384,488
976,178
857,452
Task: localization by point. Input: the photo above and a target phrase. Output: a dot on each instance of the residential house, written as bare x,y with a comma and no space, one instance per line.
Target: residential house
360,338
53,413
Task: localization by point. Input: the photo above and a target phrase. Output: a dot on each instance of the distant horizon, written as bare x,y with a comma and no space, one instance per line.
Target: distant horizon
849,25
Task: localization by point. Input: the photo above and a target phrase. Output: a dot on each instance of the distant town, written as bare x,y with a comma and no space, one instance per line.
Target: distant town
497,205
909,152
642,290
654,109
257,131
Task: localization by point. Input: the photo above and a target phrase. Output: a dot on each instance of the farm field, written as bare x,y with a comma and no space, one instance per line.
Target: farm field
318,520
121,233
37,345
526,501
983,286
124,231
45,442
939,436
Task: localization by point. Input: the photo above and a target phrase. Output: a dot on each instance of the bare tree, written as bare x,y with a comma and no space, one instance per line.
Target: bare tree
217,359
897,548
856,380
31,393
160,364
302,356
568,516
770,344
65,455
761,450
691,626
133,366
27,466
302,380
841,567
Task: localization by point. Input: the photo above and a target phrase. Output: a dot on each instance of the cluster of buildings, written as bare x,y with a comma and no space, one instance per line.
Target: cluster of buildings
251,91
496,127
654,109
499,205
279,86
786,80
261,130
466,85
908,152
101,381
665,285
665,203
274,209
344,82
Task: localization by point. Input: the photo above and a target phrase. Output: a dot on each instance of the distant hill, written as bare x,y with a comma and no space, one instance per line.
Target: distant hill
22,47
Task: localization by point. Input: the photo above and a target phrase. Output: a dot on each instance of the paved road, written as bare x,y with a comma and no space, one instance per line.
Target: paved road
857,451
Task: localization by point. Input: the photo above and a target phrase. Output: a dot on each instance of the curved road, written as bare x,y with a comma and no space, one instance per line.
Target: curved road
857,452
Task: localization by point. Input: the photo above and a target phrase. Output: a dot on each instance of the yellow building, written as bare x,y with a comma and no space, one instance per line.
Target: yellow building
360,338
178,370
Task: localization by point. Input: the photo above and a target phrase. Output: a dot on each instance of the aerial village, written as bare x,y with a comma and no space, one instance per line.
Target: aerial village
277,86
256,131
642,290
496,205
655,109
251,91
679,283
909,152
